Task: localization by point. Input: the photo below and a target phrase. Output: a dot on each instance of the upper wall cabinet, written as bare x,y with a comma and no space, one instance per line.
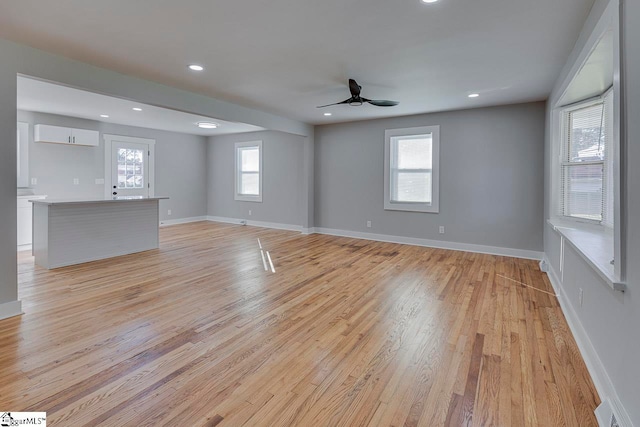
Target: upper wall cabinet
62,135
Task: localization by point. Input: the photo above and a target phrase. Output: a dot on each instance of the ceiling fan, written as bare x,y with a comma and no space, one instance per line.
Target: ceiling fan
357,100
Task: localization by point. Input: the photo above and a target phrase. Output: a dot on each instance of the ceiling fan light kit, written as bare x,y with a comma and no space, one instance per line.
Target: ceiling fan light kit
356,100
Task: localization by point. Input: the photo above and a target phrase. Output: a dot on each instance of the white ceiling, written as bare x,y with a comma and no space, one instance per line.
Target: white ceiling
45,97
288,56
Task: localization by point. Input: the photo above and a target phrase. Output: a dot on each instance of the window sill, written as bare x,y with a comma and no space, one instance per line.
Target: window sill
594,244
239,198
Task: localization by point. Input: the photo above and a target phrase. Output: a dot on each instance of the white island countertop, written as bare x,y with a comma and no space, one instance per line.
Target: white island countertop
97,200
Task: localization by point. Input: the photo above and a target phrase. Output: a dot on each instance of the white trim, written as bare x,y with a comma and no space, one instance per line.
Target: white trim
311,230
236,172
455,246
596,369
591,243
263,224
432,207
169,222
10,309
108,141
26,247
600,27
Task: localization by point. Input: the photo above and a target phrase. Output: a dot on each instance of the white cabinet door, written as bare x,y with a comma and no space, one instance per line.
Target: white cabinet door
85,137
24,225
55,134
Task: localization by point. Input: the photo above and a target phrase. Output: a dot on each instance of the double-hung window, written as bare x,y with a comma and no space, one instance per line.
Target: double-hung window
587,189
412,169
248,171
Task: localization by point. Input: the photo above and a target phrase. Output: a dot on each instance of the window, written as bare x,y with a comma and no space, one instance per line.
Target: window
248,180
587,162
411,169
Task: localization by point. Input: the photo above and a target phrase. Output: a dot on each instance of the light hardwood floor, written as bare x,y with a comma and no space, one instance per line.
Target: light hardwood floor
345,332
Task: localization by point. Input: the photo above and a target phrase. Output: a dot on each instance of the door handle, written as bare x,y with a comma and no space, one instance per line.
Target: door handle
115,193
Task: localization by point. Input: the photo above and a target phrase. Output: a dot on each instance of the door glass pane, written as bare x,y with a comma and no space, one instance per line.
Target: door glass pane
130,168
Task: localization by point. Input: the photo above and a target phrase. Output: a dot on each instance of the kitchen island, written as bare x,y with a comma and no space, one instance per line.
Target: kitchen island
68,232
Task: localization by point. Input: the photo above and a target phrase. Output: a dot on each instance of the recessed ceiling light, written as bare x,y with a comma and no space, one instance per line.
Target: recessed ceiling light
137,109
104,115
327,114
474,95
196,67
429,1
207,125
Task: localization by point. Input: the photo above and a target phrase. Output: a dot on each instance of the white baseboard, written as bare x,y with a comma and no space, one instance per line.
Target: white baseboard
263,224
311,230
10,309
596,369
167,222
466,247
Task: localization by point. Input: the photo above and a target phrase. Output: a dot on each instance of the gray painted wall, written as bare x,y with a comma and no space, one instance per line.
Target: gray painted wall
491,181
610,320
180,164
283,186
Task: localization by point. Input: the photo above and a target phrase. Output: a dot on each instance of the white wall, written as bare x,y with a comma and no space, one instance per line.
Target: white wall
607,325
283,186
180,164
491,181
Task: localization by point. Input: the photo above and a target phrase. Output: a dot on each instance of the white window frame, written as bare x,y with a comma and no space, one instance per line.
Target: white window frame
237,171
564,160
434,206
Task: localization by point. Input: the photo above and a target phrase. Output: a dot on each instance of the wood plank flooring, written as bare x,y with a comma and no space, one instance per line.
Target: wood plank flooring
345,332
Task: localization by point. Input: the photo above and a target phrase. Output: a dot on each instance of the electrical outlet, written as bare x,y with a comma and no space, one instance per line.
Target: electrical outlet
169,212
34,181
249,212
368,224
581,296
441,231
76,181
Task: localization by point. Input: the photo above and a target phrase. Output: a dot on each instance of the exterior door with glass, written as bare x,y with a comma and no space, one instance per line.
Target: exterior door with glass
129,169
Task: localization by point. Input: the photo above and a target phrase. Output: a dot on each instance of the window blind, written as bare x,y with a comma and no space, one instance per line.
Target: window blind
608,219
583,166
249,171
411,169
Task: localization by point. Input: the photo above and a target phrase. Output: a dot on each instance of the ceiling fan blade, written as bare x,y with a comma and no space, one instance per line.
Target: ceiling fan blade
381,102
346,101
354,88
